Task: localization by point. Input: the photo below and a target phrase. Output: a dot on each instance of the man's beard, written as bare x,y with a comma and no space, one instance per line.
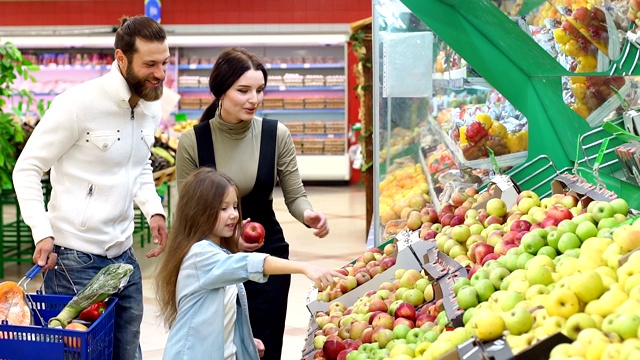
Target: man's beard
139,86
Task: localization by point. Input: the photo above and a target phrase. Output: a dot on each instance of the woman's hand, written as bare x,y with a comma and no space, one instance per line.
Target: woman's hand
245,246
318,221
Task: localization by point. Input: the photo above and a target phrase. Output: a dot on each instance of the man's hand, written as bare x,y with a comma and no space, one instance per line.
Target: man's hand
318,221
259,346
44,255
158,235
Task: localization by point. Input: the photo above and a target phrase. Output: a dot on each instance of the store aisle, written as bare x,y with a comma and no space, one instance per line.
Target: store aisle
345,209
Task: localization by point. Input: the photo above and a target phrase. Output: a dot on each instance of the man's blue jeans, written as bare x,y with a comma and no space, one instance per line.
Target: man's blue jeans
80,269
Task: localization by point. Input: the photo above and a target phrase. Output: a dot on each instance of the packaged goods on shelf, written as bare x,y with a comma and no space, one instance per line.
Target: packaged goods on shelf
314,127
334,80
313,80
312,146
291,79
273,103
314,103
275,80
334,127
295,127
190,103
297,142
188,81
334,146
293,103
334,102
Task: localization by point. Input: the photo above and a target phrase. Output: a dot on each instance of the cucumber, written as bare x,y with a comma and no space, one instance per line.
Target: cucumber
107,281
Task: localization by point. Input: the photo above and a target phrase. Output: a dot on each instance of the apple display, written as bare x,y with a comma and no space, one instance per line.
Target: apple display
559,213
253,233
518,321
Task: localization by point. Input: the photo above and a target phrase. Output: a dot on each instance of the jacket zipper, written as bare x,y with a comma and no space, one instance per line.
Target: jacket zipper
86,207
132,115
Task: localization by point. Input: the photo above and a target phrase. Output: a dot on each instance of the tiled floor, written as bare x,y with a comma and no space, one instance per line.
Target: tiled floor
345,210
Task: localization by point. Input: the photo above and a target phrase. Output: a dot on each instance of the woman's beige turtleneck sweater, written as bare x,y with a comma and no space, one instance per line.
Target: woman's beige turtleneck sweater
237,148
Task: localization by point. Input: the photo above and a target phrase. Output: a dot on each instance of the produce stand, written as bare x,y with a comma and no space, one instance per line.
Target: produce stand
529,185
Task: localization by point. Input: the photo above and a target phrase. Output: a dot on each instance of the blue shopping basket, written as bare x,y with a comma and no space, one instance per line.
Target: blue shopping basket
40,342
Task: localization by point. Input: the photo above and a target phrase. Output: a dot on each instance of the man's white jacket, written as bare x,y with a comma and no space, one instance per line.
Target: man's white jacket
97,150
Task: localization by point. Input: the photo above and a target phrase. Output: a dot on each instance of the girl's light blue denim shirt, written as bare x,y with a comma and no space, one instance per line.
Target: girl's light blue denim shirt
198,332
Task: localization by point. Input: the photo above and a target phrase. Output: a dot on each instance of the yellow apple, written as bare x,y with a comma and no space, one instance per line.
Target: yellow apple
489,325
587,285
628,237
562,302
612,352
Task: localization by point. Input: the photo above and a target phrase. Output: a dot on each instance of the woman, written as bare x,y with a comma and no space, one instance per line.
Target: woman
255,153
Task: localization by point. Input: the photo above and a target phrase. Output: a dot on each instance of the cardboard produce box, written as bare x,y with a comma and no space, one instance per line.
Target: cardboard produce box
406,259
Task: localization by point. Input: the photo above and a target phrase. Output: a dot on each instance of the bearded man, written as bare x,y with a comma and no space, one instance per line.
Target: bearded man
95,141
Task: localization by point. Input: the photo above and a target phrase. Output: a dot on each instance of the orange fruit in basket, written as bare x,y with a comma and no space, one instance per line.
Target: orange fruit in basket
74,342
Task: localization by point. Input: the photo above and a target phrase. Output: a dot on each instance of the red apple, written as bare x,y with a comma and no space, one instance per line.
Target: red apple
428,214
492,256
362,277
430,234
253,233
473,270
460,211
447,209
424,318
492,219
559,213
549,221
456,220
445,219
480,250
332,347
406,310
506,248
403,321
387,262
383,319
377,305
509,237
520,225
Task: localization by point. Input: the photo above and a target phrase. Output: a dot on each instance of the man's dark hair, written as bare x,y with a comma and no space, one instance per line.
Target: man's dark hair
142,27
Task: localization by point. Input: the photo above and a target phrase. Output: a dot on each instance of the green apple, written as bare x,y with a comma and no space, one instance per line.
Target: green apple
523,258
586,230
626,325
479,275
607,223
568,241
496,207
554,238
460,233
476,229
422,284
400,331
518,321
548,251
601,210
567,226
575,252
467,297
459,283
511,261
484,288
414,335
509,299
532,242
578,322
620,206
468,314
535,290
497,275
539,274
578,219
543,233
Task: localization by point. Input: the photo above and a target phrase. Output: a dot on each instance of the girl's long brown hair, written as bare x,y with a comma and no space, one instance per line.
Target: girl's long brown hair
196,217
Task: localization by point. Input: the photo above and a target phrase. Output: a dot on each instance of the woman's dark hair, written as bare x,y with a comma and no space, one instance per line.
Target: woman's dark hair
131,28
231,64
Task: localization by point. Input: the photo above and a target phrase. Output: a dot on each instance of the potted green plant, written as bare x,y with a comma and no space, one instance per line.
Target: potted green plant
13,104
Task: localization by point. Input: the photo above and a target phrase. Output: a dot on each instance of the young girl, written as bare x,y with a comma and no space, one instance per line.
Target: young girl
199,283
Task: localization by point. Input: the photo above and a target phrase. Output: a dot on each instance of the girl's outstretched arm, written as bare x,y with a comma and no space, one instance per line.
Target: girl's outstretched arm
320,276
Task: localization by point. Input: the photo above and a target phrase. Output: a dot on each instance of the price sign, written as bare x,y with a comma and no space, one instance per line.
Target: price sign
153,9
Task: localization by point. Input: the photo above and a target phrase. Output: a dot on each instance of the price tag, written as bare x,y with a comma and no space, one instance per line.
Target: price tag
283,66
268,66
282,88
306,66
193,66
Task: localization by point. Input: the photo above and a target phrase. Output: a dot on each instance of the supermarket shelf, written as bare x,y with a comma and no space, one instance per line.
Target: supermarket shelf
304,88
56,67
268,66
292,111
503,160
319,136
274,88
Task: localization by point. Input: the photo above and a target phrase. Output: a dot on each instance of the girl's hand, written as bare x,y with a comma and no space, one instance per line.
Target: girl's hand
245,246
318,221
259,346
323,278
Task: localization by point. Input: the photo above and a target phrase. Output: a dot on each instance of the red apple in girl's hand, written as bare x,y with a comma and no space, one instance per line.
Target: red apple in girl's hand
253,233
